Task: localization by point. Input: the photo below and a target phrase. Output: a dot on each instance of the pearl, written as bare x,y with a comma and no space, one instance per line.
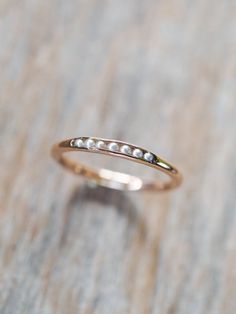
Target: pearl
113,147
100,145
148,157
125,149
90,143
78,142
138,153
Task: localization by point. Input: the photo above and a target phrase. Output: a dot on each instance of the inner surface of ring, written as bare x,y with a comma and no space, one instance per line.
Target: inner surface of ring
119,180
104,177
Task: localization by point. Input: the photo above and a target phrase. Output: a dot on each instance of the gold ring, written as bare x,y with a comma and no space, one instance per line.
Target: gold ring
113,179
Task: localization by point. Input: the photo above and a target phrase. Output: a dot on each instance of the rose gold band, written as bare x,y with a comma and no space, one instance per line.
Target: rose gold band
112,179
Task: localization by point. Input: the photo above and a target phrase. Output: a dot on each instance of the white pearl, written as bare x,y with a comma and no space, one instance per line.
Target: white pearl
138,153
78,142
148,157
90,143
113,147
125,149
101,145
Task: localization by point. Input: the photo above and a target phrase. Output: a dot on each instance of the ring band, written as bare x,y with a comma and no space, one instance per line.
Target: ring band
112,179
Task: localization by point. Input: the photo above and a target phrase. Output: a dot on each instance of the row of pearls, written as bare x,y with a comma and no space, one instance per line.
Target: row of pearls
113,147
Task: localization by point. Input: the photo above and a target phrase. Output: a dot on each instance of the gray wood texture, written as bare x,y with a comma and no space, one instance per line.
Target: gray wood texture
160,74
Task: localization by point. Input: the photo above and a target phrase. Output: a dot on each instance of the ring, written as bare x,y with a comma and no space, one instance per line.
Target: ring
113,179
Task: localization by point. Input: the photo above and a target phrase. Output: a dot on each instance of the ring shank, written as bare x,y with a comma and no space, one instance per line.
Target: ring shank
113,179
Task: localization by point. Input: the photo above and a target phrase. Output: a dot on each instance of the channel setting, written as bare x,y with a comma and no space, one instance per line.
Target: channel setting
114,147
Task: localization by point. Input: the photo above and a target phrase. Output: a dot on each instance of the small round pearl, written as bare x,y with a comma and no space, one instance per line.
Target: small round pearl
113,147
148,157
90,143
125,149
138,153
78,142
100,145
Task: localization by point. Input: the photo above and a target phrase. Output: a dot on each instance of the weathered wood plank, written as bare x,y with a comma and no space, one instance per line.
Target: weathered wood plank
160,74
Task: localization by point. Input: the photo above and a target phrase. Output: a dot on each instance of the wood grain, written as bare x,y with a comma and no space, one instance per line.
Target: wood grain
160,74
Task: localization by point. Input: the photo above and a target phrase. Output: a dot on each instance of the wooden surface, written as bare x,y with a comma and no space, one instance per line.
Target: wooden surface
160,74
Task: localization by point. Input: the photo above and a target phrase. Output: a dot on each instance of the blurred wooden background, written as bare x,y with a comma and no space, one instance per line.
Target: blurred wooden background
160,74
